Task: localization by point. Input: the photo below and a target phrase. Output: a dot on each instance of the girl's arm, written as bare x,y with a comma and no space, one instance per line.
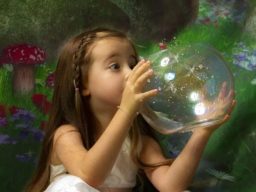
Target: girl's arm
93,165
178,175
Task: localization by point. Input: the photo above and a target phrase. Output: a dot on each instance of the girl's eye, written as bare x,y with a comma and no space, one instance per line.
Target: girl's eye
132,62
114,66
132,65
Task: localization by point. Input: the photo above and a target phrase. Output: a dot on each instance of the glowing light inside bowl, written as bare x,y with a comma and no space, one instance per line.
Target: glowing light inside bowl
165,61
169,76
194,96
200,109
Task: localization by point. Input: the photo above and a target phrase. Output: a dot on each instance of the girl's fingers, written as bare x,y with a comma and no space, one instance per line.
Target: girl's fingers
137,71
228,99
146,95
231,107
228,114
139,63
231,94
223,91
141,81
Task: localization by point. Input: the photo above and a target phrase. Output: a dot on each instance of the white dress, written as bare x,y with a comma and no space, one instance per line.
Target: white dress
122,175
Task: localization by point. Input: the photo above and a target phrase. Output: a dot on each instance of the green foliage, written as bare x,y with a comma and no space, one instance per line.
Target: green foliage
244,166
14,173
138,14
221,36
43,23
41,75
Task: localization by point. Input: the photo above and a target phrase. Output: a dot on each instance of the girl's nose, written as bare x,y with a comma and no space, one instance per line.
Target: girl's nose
126,77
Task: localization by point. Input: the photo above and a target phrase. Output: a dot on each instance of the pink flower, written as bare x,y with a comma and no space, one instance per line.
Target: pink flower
50,80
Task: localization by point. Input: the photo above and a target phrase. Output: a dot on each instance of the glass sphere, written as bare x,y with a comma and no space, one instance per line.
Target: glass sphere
195,89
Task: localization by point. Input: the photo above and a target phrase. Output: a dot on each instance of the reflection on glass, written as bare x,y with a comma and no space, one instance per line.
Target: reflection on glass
195,89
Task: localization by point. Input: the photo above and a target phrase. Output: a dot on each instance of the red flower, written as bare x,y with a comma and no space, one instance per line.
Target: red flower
2,111
13,110
41,102
162,45
43,125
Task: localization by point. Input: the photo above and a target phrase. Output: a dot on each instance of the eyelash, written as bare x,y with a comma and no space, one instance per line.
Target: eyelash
114,65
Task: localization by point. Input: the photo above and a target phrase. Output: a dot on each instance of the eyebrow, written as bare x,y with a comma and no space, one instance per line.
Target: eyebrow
113,55
117,55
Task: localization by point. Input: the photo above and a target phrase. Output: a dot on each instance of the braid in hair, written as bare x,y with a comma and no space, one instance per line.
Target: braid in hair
78,60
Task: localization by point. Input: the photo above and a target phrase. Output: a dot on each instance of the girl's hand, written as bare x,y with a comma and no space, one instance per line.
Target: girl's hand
218,106
133,95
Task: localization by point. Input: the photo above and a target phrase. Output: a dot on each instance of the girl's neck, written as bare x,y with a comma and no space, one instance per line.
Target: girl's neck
103,117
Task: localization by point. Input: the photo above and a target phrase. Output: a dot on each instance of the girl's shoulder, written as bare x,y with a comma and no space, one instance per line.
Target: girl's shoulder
65,128
64,131
65,136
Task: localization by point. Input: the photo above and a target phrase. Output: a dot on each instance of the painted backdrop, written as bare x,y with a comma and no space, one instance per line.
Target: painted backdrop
31,32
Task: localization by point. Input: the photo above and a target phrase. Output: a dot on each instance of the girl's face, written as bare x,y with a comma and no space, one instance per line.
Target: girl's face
112,60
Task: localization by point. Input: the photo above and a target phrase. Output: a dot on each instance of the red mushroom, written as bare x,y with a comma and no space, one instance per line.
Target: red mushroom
23,57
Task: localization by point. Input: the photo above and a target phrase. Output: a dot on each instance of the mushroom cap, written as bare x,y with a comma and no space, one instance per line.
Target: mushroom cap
23,54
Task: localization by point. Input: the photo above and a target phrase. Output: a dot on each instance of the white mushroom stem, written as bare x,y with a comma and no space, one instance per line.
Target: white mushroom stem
23,78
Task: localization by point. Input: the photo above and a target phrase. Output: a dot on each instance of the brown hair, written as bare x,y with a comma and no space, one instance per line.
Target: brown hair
74,56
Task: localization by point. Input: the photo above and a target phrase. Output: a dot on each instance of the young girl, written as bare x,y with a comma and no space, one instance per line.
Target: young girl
95,139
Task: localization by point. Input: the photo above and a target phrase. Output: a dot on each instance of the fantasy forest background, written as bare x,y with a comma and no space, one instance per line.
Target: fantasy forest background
40,27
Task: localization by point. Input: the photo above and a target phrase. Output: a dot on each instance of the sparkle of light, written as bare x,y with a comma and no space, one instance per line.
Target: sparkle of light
194,96
169,76
199,109
165,61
